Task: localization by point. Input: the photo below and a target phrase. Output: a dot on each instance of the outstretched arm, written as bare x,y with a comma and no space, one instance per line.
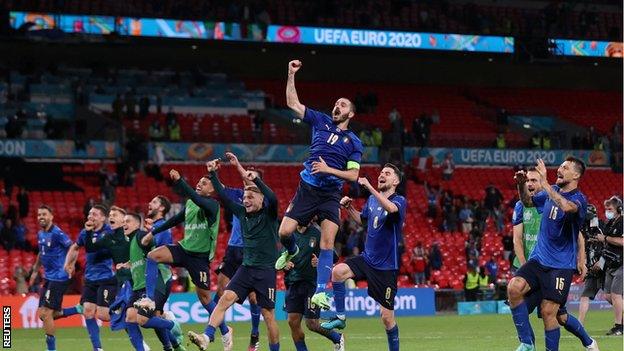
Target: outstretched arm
321,166
292,100
564,204
269,195
178,218
234,207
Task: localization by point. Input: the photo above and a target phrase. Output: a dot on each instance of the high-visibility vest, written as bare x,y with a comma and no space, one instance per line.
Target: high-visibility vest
484,281
472,280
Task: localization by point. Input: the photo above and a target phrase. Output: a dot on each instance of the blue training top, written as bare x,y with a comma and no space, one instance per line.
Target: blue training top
99,263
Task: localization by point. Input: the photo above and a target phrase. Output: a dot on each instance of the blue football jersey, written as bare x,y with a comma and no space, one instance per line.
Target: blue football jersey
336,146
99,264
383,236
163,238
557,240
53,246
236,239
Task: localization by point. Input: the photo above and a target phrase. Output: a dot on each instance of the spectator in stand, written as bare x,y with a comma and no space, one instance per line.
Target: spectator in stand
419,260
366,137
492,268
448,167
23,202
174,131
435,257
396,126
471,284
484,283
156,132
508,246
7,235
377,137
418,132
144,105
171,117
546,141
493,198
449,223
576,142
536,141
590,139
433,199
466,217
130,102
502,117
480,216
20,235
21,286
14,127
500,141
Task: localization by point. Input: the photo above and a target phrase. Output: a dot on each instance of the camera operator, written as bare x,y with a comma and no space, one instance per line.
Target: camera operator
593,250
613,240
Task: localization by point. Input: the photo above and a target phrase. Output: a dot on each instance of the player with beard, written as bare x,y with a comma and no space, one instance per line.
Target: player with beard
383,215
553,262
100,286
335,156
200,215
53,245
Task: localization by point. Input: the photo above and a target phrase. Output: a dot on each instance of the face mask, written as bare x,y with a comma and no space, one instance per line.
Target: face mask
609,214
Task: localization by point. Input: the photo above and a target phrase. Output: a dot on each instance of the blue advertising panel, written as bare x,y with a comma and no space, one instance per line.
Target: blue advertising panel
65,149
408,302
388,39
588,48
245,152
508,157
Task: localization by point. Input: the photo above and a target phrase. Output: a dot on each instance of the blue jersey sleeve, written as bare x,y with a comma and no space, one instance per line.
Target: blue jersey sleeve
518,213
62,239
581,202
401,204
81,238
539,200
355,158
233,194
316,118
163,238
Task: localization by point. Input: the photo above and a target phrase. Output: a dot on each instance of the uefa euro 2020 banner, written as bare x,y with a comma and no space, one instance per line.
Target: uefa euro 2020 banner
187,308
64,149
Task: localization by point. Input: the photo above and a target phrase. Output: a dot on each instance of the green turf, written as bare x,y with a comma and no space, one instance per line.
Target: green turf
444,333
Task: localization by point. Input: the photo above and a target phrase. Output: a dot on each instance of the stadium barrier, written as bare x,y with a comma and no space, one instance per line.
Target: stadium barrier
187,308
63,149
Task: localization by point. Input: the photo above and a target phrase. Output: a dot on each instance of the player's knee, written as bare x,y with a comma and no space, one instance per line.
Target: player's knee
312,324
253,299
516,288
293,323
339,272
268,315
153,255
141,320
44,313
562,319
608,298
131,315
102,315
204,296
387,318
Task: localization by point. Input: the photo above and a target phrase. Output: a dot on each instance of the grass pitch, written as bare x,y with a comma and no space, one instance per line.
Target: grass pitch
443,333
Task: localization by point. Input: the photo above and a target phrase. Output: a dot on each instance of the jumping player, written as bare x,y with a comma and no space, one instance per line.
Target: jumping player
100,286
200,216
383,214
257,273
53,246
553,262
234,254
335,156
300,281
526,222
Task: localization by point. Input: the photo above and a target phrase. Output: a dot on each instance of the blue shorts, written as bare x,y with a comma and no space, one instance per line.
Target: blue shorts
298,301
51,294
198,265
262,281
552,284
100,292
231,261
310,201
382,285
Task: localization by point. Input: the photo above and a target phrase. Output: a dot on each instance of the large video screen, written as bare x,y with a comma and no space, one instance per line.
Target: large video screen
389,39
587,48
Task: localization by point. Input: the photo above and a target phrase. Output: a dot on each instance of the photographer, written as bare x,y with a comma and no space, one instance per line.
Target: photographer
594,280
613,240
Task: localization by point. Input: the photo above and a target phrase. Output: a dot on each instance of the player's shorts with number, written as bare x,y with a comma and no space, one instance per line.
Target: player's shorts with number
51,294
298,299
554,283
231,261
99,292
198,265
310,201
382,285
259,280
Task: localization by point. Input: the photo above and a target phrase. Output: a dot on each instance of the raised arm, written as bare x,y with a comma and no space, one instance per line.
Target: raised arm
269,195
347,203
387,205
523,192
234,161
232,206
176,219
210,206
565,205
292,100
